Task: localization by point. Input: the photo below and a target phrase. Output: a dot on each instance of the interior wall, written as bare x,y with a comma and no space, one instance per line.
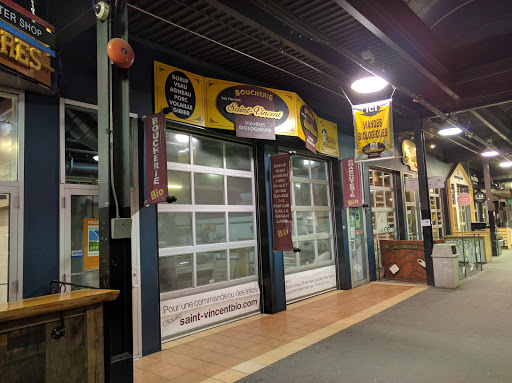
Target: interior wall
41,199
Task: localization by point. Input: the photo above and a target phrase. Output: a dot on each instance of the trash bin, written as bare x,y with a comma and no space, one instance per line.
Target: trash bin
446,265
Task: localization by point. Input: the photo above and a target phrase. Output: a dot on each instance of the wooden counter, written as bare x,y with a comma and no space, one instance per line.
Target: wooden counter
485,238
54,338
56,302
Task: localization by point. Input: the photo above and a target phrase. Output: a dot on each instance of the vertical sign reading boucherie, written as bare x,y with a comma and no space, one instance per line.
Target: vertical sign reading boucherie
281,208
156,159
352,195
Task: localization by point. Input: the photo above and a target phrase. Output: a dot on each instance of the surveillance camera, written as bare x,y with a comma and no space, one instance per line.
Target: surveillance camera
102,10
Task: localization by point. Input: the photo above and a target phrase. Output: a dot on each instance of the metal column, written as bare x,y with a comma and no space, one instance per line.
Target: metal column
428,240
114,159
490,207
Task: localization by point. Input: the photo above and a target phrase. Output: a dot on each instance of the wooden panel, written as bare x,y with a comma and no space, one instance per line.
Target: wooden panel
22,356
94,344
65,357
55,302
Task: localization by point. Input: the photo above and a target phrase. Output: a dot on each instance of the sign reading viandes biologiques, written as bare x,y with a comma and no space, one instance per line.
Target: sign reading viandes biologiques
373,130
26,42
251,111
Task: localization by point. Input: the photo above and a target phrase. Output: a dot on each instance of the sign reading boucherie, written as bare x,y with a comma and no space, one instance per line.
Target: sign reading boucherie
156,159
26,42
251,111
281,207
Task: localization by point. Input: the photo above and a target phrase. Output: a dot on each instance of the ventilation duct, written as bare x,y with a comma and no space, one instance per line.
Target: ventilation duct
81,129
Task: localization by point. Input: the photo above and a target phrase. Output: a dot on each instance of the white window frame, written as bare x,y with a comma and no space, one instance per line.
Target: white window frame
314,209
66,188
17,187
384,209
192,208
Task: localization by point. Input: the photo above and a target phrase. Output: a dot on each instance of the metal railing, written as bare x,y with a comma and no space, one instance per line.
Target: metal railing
470,254
56,286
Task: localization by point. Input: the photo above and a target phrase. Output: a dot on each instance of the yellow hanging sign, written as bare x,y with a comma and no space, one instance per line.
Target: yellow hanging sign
373,130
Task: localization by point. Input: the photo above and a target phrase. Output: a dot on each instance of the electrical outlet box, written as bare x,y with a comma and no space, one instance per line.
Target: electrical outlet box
121,228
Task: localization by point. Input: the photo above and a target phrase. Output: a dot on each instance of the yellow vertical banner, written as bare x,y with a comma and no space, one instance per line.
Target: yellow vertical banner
179,94
373,130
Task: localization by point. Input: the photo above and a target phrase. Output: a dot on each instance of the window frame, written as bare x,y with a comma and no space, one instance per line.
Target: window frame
192,208
313,209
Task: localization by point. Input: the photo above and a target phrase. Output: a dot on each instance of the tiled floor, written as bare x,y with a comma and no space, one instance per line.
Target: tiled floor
232,351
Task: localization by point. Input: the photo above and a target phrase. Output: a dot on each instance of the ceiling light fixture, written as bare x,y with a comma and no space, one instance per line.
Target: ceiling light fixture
450,131
95,158
506,164
369,84
490,153
432,146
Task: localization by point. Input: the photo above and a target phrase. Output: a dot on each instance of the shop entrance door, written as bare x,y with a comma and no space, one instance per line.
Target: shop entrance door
10,280
357,246
79,255
80,218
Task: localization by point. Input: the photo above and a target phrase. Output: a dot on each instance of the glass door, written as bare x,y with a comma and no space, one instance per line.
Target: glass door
9,270
81,240
357,246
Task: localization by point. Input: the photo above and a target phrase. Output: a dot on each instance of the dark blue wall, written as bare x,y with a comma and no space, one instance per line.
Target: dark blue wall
41,200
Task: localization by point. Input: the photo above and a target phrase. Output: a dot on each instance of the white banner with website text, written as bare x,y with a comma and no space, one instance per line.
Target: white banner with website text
198,310
309,282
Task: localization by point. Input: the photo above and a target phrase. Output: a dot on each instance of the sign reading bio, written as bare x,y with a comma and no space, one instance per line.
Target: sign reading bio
373,130
156,159
352,195
195,311
26,42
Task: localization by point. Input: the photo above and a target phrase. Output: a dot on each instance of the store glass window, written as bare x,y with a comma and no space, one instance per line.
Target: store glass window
382,199
312,217
207,236
81,145
412,210
436,211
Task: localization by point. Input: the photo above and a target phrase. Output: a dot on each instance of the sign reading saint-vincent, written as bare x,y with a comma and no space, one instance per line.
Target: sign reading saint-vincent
254,111
251,111
281,206
156,159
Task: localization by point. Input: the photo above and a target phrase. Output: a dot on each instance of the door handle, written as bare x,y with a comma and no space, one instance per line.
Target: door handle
134,277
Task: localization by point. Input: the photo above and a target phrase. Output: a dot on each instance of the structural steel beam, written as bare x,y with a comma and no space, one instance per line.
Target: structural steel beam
398,27
494,123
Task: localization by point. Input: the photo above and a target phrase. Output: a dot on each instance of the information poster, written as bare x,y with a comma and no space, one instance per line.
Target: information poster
281,206
373,130
91,244
195,311
156,159
309,282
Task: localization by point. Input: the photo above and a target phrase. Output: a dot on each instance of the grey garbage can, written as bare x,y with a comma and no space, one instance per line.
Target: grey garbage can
446,265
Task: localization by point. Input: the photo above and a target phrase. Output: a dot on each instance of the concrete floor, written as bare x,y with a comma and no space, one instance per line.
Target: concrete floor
464,335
